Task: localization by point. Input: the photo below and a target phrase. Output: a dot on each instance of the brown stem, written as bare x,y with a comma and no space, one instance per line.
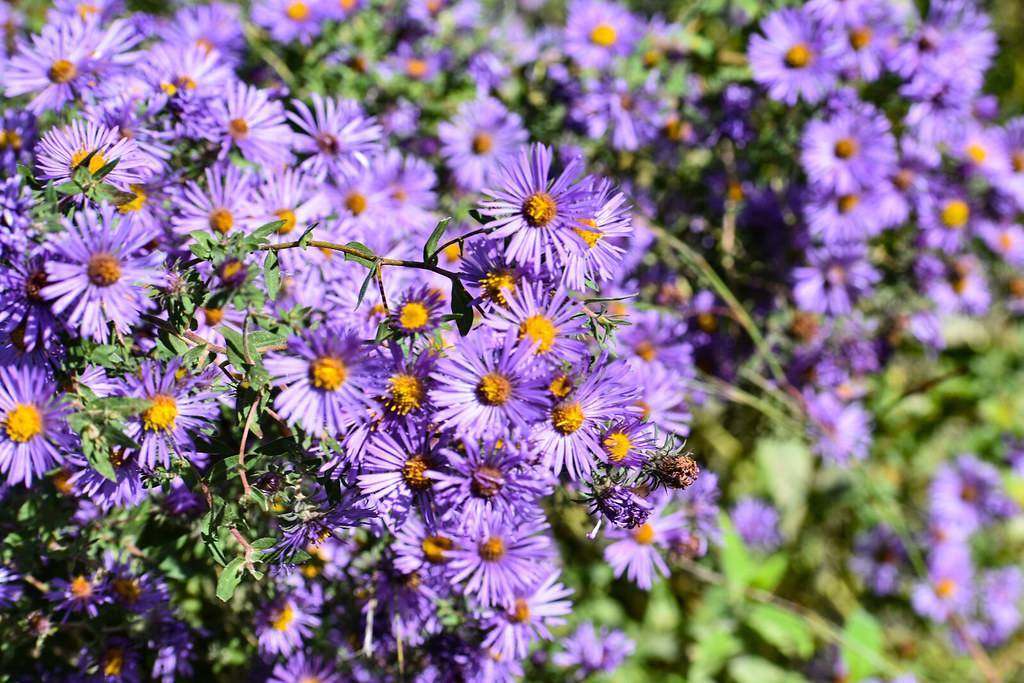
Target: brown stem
359,253
241,448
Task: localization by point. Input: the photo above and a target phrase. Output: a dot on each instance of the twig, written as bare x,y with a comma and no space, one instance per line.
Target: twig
249,550
977,653
241,448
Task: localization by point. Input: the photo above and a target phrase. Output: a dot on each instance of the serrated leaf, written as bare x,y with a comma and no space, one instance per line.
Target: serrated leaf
229,578
462,307
435,237
272,274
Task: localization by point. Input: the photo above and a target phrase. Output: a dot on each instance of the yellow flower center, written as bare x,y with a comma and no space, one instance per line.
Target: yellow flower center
1006,240
604,35
414,473
860,38
297,11
539,330
416,68
452,253
169,88
434,548
80,588
590,233
238,128
113,662
520,612
1018,161
230,269
646,351
976,152
955,214
355,202
95,163
137,203
103,269
221,220
10,139
62,71
161,415
405,394
128,589
847,203
945,588
539,209
492,549
644,534
567,417
185,81
328,373
494,389
617,445
560,386
482,143
24,423
495,285
798,56
413,316
213,316
284,618
845,148
288,216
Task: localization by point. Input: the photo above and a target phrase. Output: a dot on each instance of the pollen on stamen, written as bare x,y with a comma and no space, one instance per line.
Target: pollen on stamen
539,209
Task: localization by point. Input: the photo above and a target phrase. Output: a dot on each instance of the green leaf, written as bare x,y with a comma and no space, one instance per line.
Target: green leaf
749,669
737,562
770,572
462,307
785,630
785,467
368,262
365,286
68,188
260,234
202,243
435,237
229,577
863,640
307,235
99,460
272,274
105,169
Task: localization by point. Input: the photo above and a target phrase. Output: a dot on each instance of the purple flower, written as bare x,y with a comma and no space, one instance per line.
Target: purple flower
245,118
63,150
511,631
226,203
417,312
850,150
589,651
329,380
303,668
478,139
483,390
879,557
80,594
597,32
337,134
33,432
795,58
549,321
100,272
24,314
635,551
969,493
757,523
835,279
284,624
840,430
622,506
538,215
397,473
602,235
10,590
500,560
288,20
947,589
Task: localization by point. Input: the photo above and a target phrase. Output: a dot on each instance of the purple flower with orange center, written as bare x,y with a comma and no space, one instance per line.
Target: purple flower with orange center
289,20
849,150
33,433
284,624
626,441
328,379
635,551
948,588
424,550
80,594
548,321
246,119
396,473
486,271
102,267
529,618
63,150
478,138
794,58
602,236
25,316
418,311
539,215
226,203
337,134
598,32
485,389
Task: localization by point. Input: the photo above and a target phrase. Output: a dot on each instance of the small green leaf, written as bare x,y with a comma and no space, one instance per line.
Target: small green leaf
862,645
737,563
366,285
462,307
229,577
785,630
69,188
260,234
435,237
105,169
307,235
368,262
99,459
272,274
750,669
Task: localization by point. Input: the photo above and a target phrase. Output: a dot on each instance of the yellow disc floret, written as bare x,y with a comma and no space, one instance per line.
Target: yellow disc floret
24,423
161,415
328,373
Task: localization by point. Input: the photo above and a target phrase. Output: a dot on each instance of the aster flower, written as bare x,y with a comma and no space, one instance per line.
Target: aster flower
328,379
626,441
846,218
879,557
947,218
226,203
408,382
424,550
793,58
834,281
179,406
488,273
303,668
500,560
33,432
840,431
660,394
24,314
635,552
100,272
538,215
284,624
997,613
290,196
337,134
546,320
126,490
288,20
601,255
622,506
62,150
511,631
247,119
849,150
10,590
216,26
589,651
418,311
484,389
18,135
409,183
186,71
969,493
79,594
597,32
396,473
481,135
137,592
757,524
947,589
487,480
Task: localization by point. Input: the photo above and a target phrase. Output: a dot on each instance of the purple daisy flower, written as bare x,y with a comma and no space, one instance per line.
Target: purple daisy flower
969,493
247,119
62,150
408,382
288,20
226,203
488,273
18,135
879,556
424,550
589,651
337,134
844,218
602,236
397,474
635,551
835,279
757,523
661,395
303,668
626,441
293,197
538,215
33,432
328,378
284,624
481,135
795,58
597,32
24,314
484,390
179,406
850,150
487,480
549,321
500,560
80,594
947,590
101,270
10,590
840,431
418,311
532,614
126,490
216,26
